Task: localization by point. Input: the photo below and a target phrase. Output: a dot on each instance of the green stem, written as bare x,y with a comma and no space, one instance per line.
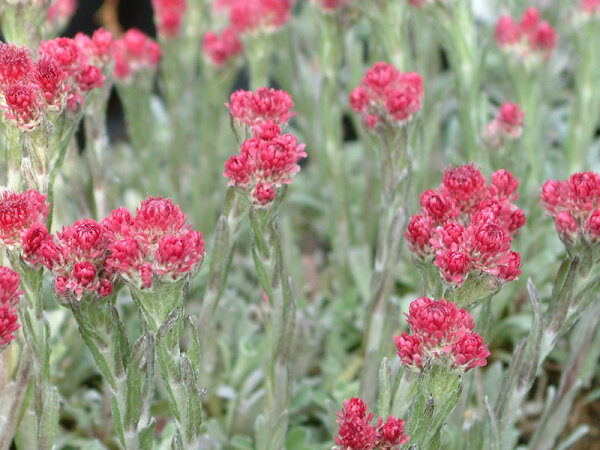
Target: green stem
459,38
528,94
437,395
129,371
584,111
395,168
334,167
258,51
279,323
224,244
37,334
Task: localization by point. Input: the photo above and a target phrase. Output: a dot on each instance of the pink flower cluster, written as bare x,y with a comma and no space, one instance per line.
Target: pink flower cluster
387,96
220,48
528,39
575,206
264,105
135,53
169,17
590,6
9,297
88,257
75,257
466,227
507,125
18,213
60,78
357,433
98,48
265,163
60,12
441,335
249,16
155,245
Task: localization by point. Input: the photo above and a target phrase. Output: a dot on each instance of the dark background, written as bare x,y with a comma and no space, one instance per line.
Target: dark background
132,13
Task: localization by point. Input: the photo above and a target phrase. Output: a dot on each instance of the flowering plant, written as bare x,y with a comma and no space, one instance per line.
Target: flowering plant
274,224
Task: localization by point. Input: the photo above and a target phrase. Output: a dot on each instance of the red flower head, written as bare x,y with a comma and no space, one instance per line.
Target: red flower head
135,52
507,125
391,433
264,105
248,16
169,16
157,217
574,205
265,162
590,7
50,78
18,212
9,287
23,107
16,65
438,206
418,234
60,12
468,225
441,334
98,50
465,186
387,95
65,51
356,431
8,325
154,243
9,297
530,39
221,48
